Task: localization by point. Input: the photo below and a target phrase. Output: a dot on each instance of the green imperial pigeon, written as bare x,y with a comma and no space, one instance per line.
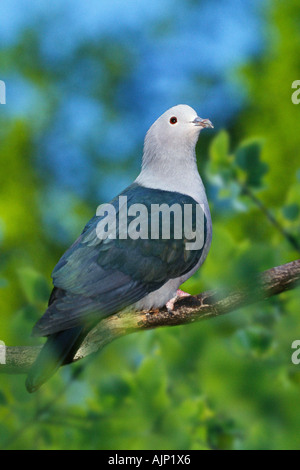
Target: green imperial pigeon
121,261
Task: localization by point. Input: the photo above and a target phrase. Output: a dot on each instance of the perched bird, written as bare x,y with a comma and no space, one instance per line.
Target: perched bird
97,276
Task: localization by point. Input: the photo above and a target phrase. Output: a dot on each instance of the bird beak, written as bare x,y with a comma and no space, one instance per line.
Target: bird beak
198,121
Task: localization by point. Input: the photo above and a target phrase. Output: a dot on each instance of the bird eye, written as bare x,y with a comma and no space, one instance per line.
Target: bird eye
173,120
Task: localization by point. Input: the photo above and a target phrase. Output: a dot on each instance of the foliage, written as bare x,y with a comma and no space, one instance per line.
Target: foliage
224,384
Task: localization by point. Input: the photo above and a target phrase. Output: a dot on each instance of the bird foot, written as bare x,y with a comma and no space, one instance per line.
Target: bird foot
179,294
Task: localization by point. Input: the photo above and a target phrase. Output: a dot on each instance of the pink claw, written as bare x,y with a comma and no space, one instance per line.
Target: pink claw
179,294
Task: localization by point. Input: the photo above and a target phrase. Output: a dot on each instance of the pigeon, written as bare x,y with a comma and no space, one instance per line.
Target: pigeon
104,272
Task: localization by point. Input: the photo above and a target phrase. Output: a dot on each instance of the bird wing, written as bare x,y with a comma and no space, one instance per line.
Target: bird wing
96,278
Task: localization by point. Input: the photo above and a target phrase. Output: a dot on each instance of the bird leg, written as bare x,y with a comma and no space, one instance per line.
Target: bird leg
179,294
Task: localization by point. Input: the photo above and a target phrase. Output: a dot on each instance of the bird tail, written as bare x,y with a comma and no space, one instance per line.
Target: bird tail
59,349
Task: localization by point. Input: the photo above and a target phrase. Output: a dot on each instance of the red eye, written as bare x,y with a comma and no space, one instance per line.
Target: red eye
173,120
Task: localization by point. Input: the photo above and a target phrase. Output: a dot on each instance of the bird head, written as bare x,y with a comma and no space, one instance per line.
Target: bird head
176,131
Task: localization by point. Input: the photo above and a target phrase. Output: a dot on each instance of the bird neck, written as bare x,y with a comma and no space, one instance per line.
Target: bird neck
168,173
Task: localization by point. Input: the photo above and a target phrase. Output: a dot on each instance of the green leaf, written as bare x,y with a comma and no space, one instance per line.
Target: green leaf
220,166
248,159
255,340
3,399
291,212
34,285
219,148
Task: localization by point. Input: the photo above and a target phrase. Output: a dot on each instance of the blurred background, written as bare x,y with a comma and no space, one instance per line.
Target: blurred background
84,81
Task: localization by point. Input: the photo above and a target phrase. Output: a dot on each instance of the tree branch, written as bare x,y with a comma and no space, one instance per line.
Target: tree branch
186,310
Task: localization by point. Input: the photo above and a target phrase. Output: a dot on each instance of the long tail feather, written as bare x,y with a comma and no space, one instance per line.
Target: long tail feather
59,349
